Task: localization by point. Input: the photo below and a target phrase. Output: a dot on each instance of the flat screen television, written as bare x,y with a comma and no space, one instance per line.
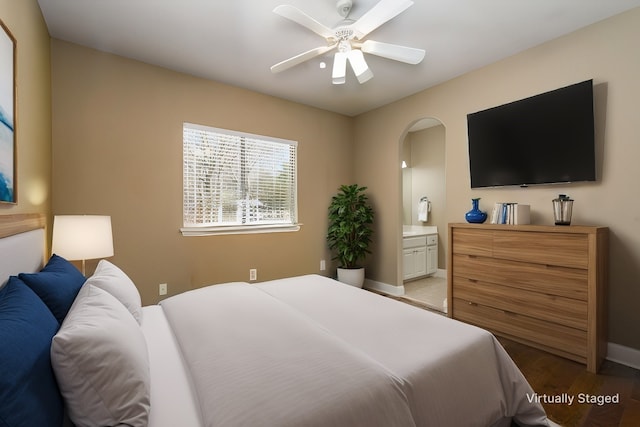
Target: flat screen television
544,139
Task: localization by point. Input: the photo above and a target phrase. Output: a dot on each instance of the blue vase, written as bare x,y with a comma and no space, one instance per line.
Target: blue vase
475,215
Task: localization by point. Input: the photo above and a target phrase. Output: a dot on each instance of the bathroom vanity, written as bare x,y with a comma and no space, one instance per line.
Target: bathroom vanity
419,251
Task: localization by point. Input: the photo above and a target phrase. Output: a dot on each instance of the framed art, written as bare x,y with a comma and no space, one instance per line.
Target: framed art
7,116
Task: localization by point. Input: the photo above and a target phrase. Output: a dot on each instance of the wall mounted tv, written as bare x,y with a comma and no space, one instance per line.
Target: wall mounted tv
544,139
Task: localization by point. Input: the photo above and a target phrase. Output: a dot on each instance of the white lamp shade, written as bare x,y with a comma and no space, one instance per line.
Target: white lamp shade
338,77
80,237
359,65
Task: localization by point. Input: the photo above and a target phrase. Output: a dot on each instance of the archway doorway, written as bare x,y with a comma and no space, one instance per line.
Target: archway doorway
423,214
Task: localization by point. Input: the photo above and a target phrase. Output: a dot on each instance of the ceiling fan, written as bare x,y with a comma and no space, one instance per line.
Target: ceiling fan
347,39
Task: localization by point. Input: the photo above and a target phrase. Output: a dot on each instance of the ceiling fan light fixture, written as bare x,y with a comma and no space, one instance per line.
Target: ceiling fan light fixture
338,76
347,39
359,66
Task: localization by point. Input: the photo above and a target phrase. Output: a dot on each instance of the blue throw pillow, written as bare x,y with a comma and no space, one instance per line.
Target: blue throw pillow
57,284
29,394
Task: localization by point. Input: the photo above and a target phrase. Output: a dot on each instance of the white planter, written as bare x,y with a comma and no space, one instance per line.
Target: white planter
351,276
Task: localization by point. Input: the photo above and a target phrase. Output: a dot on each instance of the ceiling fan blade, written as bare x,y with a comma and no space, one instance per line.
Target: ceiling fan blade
299,59
410,55
338,76
296,15
359,65
382,12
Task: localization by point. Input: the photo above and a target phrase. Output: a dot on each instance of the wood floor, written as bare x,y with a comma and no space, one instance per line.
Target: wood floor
555,376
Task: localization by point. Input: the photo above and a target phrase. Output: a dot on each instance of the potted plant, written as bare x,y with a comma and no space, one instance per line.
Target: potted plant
349,232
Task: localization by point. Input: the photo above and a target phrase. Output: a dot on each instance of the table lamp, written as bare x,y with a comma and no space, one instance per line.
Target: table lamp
82,237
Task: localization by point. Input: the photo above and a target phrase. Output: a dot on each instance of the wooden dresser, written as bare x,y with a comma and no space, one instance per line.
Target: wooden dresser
543,286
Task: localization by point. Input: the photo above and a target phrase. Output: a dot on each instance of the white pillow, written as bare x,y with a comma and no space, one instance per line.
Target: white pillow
113,280
100,359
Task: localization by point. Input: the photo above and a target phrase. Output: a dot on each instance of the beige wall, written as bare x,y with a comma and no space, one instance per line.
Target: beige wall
33,110
117,150
606,52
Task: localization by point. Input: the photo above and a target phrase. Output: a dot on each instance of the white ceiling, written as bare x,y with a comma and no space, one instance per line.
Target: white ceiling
237,41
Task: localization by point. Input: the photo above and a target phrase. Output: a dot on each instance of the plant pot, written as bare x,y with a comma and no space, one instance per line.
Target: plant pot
351,276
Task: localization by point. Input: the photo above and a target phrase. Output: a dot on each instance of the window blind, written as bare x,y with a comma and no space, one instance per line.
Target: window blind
234,179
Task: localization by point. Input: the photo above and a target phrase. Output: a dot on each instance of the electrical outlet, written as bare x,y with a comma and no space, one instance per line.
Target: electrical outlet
323,265
162,288
253,274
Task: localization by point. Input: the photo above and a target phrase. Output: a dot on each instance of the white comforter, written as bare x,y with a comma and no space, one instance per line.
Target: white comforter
310,351
254,361
454,374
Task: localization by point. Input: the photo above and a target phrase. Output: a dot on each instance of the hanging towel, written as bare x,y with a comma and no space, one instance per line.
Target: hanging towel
423,210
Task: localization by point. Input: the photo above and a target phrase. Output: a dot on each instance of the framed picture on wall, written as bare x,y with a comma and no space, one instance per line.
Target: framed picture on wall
7,116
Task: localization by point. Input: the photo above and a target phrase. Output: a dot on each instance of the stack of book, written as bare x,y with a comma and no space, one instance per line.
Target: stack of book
511,213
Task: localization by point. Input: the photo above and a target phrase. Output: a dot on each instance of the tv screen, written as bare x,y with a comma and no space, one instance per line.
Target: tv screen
547,138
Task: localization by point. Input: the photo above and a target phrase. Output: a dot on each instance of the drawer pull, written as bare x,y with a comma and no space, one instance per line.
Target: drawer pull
472,303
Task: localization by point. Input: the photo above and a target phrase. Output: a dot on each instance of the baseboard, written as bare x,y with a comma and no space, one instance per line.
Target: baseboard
385,288
624,355
440,273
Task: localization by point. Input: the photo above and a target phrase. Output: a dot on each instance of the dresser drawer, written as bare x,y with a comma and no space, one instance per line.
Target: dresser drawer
547,279
472,242
551,335
562,249
555,309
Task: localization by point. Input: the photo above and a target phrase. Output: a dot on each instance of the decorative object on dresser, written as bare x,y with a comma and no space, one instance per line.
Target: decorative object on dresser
349,232
510,213
543,286
82,237
475,215
562,207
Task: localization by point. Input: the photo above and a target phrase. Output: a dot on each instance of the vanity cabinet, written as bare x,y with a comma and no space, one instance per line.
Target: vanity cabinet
543,286
419,256
414,257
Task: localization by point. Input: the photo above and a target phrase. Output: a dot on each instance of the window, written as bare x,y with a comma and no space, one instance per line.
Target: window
235,182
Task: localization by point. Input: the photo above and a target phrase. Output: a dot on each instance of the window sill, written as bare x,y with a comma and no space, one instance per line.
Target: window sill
240,229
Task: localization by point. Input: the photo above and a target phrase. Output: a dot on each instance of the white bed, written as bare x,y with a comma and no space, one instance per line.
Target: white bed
302,351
